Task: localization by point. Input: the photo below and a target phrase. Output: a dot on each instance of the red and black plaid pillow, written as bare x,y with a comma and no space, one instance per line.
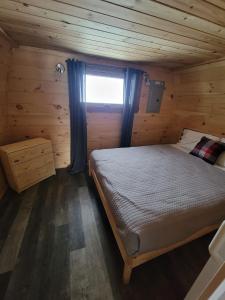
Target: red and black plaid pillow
208,150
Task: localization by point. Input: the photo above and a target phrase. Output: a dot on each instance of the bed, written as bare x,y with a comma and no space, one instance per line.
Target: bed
157,198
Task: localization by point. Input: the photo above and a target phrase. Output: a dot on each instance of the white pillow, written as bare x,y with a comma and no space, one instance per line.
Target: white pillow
190,138
221,160
223,140
181,147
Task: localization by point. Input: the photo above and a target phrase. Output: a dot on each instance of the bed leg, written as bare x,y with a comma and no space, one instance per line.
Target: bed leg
127,270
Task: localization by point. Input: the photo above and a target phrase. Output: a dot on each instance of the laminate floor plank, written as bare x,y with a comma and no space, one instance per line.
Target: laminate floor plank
98,278
111,252
52,253
61,206
65,249
44,250
76,232
21,279
79,280
4,281
59,267
9,206
13,242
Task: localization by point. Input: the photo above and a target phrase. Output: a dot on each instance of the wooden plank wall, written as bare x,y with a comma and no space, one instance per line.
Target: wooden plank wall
38,101
200,98
38,105
4,63
156,128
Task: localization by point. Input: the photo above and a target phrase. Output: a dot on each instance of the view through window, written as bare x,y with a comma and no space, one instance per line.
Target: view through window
103,89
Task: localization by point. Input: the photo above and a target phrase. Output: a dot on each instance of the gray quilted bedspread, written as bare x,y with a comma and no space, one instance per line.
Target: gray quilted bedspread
159,195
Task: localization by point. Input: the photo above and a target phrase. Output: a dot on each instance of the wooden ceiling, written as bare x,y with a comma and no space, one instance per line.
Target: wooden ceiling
176,32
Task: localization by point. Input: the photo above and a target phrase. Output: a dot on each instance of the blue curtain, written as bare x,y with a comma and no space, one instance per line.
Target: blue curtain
78,124
132,89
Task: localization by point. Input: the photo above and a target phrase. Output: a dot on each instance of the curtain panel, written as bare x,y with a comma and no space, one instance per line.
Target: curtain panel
78,124
132,90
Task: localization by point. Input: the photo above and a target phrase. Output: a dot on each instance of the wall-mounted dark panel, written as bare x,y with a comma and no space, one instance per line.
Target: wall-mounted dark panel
156,89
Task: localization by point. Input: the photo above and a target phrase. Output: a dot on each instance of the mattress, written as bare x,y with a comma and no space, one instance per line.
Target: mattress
158,194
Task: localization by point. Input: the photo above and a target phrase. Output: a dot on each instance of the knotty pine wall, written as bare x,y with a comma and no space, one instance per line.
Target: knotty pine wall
4,67
38,105
156,128
200,98
4,64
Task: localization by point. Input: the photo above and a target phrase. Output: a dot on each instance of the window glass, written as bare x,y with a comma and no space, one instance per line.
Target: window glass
103,89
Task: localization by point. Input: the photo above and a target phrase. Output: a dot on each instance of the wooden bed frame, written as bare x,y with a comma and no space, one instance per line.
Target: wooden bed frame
130,262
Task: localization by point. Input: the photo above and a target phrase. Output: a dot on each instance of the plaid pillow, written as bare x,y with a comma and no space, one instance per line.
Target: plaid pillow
208,150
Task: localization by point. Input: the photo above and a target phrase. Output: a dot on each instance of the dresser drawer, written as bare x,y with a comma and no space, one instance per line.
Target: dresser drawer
33,164
25,155
31,177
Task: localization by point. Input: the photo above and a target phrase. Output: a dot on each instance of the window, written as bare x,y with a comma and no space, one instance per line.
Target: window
104,89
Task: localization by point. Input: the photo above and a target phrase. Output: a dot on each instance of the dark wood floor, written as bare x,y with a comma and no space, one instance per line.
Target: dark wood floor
55,243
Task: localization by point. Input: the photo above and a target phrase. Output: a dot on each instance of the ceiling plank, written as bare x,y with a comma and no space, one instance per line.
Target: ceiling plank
218,3
79,44
96,51
72,35
10,18
199,8
179,12
18,12
178,32
110,14
63,55
82,41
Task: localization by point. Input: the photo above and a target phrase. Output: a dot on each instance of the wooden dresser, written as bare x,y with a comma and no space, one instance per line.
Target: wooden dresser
28,162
